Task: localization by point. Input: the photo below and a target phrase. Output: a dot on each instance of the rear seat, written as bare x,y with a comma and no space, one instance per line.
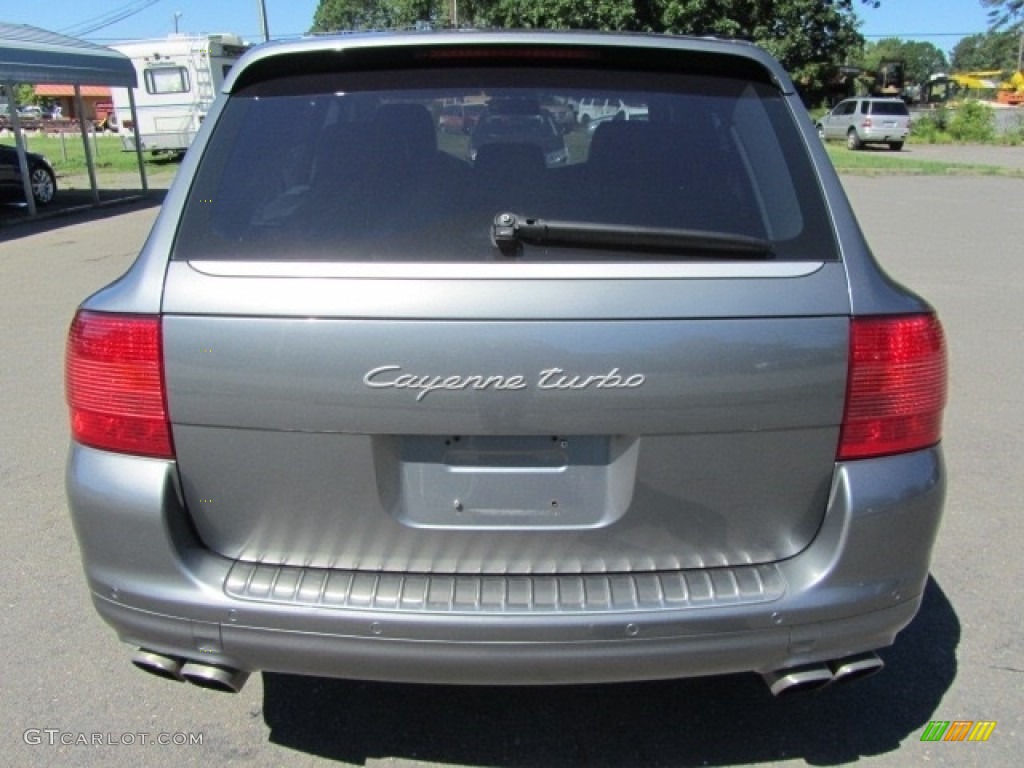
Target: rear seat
509,176
388,175
668,175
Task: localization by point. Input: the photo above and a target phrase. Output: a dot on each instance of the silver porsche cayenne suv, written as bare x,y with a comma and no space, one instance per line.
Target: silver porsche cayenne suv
365,407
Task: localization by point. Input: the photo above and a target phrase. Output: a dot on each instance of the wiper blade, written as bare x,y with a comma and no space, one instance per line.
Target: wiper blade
511,230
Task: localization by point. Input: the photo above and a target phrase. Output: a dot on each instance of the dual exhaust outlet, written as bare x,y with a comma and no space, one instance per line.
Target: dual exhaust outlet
211,676
814,677
782,682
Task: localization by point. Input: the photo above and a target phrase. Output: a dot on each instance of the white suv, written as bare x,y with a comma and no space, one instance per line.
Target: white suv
596,107
867,121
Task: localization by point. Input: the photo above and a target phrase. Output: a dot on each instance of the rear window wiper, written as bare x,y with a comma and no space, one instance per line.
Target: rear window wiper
511,230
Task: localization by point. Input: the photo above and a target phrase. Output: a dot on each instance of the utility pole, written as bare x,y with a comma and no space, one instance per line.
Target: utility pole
177,15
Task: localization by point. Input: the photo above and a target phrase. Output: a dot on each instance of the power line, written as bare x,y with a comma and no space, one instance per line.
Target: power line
109,18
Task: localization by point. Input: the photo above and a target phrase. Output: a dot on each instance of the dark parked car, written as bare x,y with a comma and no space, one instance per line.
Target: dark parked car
36,112
520,121
562,113
363,408
41,177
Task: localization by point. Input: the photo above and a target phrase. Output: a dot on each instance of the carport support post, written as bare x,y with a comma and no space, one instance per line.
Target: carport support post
138,139
89,162
19,141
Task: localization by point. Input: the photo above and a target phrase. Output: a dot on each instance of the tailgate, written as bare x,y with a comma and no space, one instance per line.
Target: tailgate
506,426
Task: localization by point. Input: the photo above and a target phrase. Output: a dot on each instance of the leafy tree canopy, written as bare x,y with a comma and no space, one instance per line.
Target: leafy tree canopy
810,37
338,15
993,50
1005,13
921,59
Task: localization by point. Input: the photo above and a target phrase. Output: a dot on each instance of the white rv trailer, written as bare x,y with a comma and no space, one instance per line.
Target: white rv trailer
179,77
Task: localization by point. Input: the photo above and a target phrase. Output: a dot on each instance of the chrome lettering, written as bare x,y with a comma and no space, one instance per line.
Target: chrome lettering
393,377
557,378
426,384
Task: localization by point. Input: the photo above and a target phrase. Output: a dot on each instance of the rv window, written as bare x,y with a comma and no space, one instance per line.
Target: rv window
167,80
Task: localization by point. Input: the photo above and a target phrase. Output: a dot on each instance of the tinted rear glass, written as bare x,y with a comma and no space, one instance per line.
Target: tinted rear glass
889,108
357,166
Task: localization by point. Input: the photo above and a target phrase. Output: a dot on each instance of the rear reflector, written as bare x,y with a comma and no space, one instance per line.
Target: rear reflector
896,388
114,384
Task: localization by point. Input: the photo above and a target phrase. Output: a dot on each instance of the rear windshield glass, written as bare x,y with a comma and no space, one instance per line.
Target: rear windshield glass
889,108
376,166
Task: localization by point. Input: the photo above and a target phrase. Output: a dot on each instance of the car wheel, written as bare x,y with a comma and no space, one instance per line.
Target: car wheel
853,140
895,146
44,185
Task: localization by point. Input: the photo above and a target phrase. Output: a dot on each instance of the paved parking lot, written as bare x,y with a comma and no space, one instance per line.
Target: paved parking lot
981,154
75,196
956,239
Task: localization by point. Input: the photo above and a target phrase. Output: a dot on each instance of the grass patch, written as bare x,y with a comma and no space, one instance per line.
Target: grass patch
882,161
67,155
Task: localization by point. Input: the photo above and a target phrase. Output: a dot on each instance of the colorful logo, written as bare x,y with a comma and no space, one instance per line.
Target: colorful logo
958,730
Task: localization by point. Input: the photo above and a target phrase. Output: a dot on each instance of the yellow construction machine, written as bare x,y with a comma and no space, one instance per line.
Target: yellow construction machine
996,85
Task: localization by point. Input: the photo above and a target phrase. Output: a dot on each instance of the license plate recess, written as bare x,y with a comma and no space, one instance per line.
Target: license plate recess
514,482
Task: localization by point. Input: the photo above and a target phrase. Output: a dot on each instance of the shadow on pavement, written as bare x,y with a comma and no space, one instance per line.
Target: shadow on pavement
73,206
708,721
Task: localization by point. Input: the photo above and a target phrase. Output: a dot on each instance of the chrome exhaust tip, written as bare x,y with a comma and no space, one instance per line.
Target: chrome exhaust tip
807,677
856,667
167,667
214,677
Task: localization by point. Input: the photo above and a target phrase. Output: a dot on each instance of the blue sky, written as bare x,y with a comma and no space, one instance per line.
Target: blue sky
940,22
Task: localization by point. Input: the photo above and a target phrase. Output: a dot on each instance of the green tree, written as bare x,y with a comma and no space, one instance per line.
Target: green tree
921,60
1005,13
558,14
1009,15
992,50
344,15
810,37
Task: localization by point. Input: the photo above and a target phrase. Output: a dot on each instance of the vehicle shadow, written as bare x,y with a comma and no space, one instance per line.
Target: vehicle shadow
74,207
709,721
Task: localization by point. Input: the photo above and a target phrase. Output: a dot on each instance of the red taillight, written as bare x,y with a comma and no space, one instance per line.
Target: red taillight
510,52
115,387
896,387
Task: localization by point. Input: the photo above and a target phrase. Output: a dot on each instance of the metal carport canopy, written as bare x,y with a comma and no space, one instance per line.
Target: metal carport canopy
32,55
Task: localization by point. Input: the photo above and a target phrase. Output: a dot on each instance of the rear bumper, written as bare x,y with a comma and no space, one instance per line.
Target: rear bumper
851,590
879,135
